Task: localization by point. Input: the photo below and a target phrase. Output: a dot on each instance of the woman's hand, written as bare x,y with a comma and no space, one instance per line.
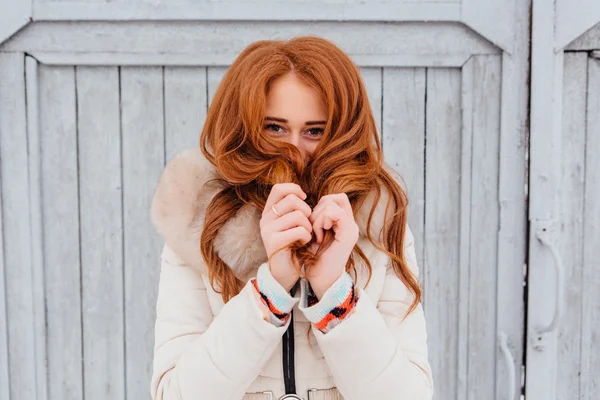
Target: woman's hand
332,212
280,231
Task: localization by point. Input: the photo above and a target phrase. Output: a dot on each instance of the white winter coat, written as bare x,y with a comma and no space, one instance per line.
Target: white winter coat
205,349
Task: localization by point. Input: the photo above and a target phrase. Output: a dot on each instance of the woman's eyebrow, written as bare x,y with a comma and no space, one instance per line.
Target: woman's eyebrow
285,121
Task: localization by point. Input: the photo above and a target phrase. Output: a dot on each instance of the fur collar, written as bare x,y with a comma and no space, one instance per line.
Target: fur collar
180,202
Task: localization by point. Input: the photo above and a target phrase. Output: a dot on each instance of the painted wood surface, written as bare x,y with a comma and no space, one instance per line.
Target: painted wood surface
168,43
60,209
442,266
19,299
143,158
590,314
101,237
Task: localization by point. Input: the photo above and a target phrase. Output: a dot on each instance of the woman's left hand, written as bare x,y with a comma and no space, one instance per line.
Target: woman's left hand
332,212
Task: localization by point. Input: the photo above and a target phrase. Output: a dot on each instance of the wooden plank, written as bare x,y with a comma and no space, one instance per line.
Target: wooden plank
442,217
368,43
574,17
466,166
214,77
404,142
571,206
589,41
16,228
185,108
512,200
4,361
544,181
387,10
484,226
37,229
590,290
60,209
131,58
143,159
492,19
372,78
15,15
101,232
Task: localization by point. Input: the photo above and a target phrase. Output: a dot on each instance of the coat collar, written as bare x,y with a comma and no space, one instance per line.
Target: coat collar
179,206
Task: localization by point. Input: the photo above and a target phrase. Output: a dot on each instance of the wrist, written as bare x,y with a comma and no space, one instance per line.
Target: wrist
320,286
287,282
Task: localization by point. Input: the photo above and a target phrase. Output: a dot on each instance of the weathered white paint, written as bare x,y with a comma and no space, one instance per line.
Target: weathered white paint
367,43
571,214
14,15
574,17
185,108
4,362
143,158
100,195
590,315
17,259
590,40
483,244
214,76
373,80
442,217
374,10
512,198
36,218
493,19
466,163
58,117
403,142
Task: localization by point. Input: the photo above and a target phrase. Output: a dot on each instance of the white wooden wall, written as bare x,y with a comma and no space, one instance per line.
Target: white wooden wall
90,112
563,355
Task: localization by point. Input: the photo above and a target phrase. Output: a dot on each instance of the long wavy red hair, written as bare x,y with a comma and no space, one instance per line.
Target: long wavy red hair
348,158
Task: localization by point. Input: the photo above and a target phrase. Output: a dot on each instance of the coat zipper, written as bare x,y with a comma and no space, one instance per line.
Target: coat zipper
289,374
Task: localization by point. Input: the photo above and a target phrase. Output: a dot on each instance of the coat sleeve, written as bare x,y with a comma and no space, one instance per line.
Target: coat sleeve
374,353
197,356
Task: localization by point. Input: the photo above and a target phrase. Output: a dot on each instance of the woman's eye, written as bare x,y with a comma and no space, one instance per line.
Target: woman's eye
315,132
274,128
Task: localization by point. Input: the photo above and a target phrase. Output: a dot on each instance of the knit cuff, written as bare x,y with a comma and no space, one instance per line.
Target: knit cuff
279,302
337,303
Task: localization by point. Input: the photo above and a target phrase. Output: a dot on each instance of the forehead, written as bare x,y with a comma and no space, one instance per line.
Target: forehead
292,99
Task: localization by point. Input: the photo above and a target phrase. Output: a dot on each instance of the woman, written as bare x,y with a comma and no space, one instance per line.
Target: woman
288,267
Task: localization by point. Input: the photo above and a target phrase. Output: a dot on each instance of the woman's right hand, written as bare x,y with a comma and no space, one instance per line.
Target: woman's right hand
280,231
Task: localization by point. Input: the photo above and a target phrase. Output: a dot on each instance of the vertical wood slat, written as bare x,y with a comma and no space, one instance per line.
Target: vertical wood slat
467,100
17,261
4,360
404,142
143,160
372,78
484,226
101,232
36,218
214,76
185,107
442,219
60,191
571,203
512,196
590,340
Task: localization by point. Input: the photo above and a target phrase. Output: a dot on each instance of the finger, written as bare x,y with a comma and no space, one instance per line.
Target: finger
341,199
322,223
290,203
289,236
281,190
288,221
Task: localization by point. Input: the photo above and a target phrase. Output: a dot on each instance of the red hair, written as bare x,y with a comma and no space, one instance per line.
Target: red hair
348,158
